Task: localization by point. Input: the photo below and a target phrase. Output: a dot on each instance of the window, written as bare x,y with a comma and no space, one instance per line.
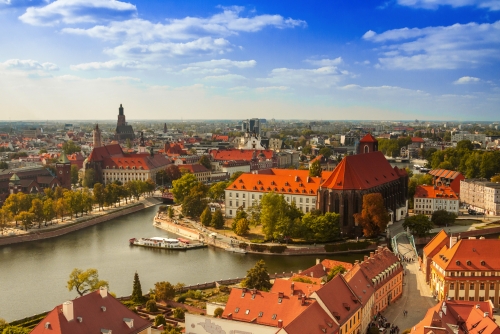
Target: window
462,286
300,201
471,299
230,194
274,316
481,286
481,299
471,286
230,203
307,200
230,212
492,286
252,196
243,195
452,286
237,195
461,298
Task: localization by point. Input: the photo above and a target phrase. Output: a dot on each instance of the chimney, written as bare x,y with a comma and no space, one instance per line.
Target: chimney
365,258
371,255
312,274
356,262
103,291
280,323
292,288
67,309
303,300
478,306
129,322
318,261
453,241
486,314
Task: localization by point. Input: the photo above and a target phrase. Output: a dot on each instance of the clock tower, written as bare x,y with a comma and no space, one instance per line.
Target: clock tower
63,170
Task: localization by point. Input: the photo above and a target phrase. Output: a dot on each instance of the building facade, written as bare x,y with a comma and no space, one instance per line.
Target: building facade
466,270
481,195
432,198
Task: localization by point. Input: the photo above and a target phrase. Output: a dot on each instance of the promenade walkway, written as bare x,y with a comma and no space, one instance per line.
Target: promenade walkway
417,297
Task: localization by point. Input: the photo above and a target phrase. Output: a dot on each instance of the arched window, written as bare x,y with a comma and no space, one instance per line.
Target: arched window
366,149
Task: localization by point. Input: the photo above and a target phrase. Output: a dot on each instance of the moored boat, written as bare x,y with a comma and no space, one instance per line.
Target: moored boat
164,243
236,250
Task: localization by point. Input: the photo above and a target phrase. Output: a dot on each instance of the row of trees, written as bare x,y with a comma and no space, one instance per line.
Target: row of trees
421,225
42,208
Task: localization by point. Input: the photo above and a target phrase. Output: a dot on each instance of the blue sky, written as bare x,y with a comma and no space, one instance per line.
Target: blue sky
331,60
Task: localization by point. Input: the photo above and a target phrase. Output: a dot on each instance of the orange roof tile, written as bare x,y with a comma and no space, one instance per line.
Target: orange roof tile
313,320
368,138
285,286
469,255
436,243
361,171
435,192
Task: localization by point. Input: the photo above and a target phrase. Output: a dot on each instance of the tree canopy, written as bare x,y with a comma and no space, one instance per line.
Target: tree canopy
374,216
84,281
137,296
418,224
164,291
443,218
182,187
315,169
257,277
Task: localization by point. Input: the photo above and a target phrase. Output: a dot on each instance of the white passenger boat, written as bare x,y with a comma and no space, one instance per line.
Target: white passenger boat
166,243
236,250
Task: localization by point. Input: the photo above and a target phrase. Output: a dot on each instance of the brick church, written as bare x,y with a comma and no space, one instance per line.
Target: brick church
357,175
123,130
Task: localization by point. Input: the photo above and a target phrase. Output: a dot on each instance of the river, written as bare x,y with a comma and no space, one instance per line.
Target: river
33,275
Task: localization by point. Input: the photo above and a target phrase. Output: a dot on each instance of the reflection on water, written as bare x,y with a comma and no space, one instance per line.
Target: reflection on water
33,275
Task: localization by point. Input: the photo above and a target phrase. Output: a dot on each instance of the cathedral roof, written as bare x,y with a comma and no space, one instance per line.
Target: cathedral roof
368,138
63,159
361,171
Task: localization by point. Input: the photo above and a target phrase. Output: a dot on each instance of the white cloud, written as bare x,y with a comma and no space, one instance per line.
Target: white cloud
449,47
322,77
271,89
203,71
204,45
226,63
492,5
78,11
113,65
28,65
225,77
466,80
325,62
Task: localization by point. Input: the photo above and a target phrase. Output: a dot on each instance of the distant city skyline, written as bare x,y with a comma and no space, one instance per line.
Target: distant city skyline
75,60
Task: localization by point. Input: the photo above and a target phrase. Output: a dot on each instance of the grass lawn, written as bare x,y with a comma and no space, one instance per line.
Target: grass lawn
468,222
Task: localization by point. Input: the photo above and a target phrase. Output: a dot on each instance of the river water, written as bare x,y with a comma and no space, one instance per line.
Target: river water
33,275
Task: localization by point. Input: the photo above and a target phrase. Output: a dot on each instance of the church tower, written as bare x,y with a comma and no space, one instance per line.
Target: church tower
367,144
165,128
63,169
121,117
97,137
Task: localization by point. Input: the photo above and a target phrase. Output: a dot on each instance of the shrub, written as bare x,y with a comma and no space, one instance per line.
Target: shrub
178,313
182,298
257,241
162,208
347,246
258,248
224,288
277,249
218,312
160,320
243,245
151,306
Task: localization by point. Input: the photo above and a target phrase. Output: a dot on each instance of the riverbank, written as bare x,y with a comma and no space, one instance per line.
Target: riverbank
69,226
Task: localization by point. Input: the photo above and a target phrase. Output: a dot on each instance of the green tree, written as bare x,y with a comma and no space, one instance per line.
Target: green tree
164,291
89,178
257,277
374,216
37,211
418,224
160,320
443,218
49,212
5,218
496,178
235,176
205,161
70,147
60,207
315,169
151,306
137,296
98,195
218,312
182,187
170,211
74,174
26,218
307,149
242,227
194,203
217,191
206,217
13,205
162,177
179,313
173,172
253,212
84,281
465,145
326,152
322,228
217,220
4,165
15,330
338,269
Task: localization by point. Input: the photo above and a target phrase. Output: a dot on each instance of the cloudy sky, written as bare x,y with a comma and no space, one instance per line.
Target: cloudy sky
204,59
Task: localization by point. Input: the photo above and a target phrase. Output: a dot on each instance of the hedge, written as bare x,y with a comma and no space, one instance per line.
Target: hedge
258,248
243,245
346,246
277,249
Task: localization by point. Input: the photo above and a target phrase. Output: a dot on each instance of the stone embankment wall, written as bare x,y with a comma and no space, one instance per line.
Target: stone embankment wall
34,236
167,225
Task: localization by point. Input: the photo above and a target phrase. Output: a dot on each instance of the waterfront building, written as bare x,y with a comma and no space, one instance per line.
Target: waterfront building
95,312
428,199
385,272
466,270
357,175
123,130
258,159
481,195
295,185
447,178
201,172
453,317
112,164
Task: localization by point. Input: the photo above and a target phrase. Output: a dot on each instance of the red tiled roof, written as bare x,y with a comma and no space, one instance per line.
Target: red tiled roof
112,156
195,168
362,287
339,299
279,181
99,153
435,192
285,286
471,254
235,154
382,259
333,263
247,307
314,320
361,171
417,140
94,318
436,243
368,138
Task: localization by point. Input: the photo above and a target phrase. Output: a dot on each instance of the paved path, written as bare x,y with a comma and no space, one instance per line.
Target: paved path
417,298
